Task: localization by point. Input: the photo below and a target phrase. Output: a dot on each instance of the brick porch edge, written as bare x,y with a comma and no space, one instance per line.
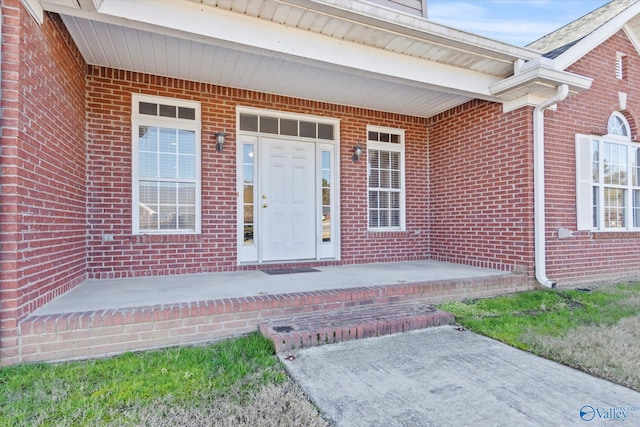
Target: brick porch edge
100,333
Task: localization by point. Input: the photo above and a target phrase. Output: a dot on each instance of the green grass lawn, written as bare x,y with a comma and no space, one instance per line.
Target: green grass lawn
240,382
596,330
230,383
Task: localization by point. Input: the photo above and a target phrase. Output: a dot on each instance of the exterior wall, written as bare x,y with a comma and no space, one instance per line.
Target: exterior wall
589,256
215,249
42,184
481,180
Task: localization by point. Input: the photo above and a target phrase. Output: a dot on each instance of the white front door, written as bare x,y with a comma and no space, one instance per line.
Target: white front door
287,200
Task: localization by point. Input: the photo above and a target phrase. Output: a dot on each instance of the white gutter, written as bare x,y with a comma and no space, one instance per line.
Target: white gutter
538,185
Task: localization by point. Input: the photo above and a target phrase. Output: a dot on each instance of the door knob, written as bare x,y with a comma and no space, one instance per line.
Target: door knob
264,205
264,196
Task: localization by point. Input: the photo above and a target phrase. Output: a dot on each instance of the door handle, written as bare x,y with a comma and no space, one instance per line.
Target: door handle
264,196
264,205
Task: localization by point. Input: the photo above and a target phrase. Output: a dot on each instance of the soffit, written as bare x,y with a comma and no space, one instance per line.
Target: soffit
423,68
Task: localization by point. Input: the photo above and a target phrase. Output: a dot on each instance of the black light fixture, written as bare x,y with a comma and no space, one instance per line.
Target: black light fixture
220,136
357,152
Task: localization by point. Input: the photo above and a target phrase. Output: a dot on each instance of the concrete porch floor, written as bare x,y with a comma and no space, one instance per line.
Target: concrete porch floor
161,290
106,317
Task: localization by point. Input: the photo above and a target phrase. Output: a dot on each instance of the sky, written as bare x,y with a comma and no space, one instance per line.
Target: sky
518,22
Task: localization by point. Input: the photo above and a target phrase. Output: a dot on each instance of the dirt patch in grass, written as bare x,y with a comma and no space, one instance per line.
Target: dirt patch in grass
282,405
595,330
607,351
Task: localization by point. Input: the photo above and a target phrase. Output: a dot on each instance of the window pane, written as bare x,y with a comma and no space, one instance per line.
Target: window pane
168,217
186,142
248,234
596,209
168,193
268,124
372,136
168,142
148,217
325,131
248,193
148,192
288,127
186,194
187,167
373,219
614,211
308,129
596,161
636,208
635,180
148,138
247,171
148,165
374,178
247,154
168,166
186,218
168,110
249,122
186,113
395,218
148,108
373,200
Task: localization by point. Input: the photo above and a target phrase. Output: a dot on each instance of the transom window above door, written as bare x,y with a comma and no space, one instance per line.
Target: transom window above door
286,126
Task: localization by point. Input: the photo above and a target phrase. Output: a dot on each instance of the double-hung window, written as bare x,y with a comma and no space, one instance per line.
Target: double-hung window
166,165
608,173
385,168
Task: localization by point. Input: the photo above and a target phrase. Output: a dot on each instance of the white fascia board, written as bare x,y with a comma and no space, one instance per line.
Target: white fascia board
524,101
407,24
188,20
588,43
541,75
35,10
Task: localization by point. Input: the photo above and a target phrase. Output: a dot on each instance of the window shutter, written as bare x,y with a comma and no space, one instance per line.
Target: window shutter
584,183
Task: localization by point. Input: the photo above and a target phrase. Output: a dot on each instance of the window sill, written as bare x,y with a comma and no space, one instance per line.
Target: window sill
386,234
598,235
165,238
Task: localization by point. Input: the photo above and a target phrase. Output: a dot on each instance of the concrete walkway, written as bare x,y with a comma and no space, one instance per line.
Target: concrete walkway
147,291
444,377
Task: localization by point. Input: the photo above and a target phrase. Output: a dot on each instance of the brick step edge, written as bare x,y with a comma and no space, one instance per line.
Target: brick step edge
359,329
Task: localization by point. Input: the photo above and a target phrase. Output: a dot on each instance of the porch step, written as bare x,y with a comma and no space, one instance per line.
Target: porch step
350,323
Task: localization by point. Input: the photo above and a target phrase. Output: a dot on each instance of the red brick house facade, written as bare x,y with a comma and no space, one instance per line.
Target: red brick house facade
73,167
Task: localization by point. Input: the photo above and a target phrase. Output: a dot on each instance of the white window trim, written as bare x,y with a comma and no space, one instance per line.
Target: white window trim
138,120
385,146
585,184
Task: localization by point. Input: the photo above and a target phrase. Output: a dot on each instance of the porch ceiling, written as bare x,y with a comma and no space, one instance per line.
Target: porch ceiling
361,55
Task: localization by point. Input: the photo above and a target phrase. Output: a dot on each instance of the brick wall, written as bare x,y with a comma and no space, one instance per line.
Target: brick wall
589,256
42,181
481,180
109,180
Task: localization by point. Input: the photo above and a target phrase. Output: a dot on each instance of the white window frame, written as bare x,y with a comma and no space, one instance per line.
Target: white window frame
194,125
587,207
388,146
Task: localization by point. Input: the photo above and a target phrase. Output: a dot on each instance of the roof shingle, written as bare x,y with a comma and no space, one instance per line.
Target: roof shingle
554,44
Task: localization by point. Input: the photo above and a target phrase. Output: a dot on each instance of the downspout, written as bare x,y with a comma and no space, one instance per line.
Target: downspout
538,185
